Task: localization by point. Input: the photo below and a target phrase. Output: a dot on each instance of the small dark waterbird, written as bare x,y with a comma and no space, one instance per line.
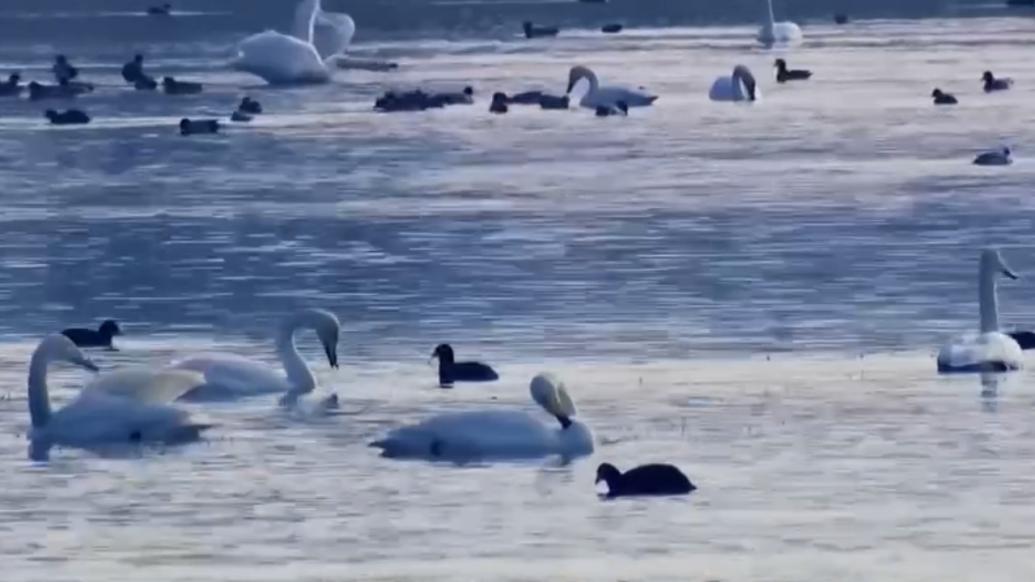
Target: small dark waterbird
783,74
94,338
992,84
654,479
70,117
451,371
942,98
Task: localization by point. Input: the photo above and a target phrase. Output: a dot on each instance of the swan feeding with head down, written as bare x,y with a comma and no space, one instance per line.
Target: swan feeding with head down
990,350
496,434
606,96
303,56
118,408
740,86
773,32
230,377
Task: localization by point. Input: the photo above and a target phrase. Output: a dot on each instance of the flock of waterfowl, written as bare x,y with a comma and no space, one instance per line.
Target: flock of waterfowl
138,405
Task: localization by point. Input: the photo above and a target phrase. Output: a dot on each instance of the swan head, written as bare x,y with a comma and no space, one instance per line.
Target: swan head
987,77
780,64
550,394
579,72
743,75
58,348
992,264
327,328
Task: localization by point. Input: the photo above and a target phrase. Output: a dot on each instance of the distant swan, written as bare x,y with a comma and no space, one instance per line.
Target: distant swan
740,86
606,96
102,414
773,32
229,377
301,57
999,157
990,350
496,433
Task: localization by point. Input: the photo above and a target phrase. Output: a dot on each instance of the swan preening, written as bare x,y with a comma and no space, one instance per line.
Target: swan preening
773,32
598,95
118,408
739,86
305,55
230,377
990,350
496,433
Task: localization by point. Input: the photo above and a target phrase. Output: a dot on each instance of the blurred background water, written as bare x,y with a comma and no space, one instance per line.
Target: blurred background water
752,292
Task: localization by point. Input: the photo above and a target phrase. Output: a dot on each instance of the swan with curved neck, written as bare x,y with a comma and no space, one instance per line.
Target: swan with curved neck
773,32
301,57
98,417
739,86
229,377
598,95
496,433
990,350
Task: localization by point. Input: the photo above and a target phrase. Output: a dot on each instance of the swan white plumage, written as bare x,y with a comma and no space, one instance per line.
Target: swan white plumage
606,96
990,350
229,376
300,57
740,86
98,417
496,434
773,32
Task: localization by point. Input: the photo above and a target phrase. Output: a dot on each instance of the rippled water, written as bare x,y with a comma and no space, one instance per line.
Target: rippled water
753,293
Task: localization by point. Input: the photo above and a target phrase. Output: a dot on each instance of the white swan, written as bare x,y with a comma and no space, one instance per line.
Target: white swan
773,32
740,86
301,57
99,417
496,433
990,350
607,96
229,377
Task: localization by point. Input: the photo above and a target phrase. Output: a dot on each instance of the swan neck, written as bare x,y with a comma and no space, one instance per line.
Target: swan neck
305,20
298,374
987,299
772,16
39,397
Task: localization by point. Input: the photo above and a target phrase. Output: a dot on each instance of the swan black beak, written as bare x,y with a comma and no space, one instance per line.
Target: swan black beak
1010,274
89,365
332,355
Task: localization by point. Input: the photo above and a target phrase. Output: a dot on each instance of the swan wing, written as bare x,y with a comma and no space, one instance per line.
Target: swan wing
973,352
229,376
100,418
611,95
333,34
280,59
724,89
146,385
486,433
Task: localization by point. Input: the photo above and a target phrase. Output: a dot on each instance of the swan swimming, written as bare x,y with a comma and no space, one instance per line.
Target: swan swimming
773,32
606,96
301,57
122,407
229,377
990,350
496,433
740,86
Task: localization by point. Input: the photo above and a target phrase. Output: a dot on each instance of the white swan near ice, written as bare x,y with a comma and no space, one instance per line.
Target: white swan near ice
740,86
990,350
773,32
496,433
606,96
230,377
316,39
103,414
